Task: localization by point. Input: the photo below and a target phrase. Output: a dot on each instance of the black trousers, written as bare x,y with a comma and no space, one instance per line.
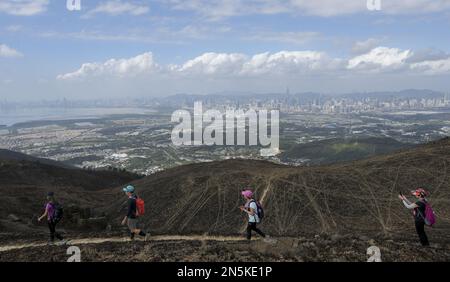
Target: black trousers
252,226
52,227
420,228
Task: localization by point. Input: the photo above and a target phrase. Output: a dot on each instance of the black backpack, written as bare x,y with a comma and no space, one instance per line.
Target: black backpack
259,210
58,213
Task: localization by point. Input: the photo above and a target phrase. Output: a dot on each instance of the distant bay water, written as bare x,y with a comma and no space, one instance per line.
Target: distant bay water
15,116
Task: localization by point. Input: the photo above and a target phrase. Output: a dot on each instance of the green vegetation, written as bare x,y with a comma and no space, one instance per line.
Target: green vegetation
339,150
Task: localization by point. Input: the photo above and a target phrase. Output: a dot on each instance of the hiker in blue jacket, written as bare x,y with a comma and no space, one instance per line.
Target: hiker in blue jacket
131,218
418,208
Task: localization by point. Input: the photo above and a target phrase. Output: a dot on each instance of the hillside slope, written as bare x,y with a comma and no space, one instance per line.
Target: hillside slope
322,213
8,155
25,182
358,196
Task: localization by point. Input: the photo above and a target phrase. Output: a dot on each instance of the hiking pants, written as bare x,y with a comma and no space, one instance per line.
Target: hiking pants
252,226
420,228
53,233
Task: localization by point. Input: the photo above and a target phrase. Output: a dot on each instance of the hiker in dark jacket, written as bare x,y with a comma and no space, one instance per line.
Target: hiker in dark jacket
131,218
418,208
251,208
52,220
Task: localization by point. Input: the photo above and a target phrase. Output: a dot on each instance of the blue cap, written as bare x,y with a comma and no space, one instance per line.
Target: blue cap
129,189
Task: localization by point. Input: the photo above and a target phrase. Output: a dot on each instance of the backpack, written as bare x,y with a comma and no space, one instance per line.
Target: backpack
140,206
58,212
259,210
430,218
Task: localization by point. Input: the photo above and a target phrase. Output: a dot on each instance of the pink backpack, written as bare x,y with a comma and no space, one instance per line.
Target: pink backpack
430,218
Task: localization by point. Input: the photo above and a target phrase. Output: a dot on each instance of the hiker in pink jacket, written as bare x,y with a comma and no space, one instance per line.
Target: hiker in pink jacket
423,214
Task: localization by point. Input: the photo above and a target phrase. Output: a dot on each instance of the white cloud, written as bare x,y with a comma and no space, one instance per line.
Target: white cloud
99,36
415,6
379,59
432,67
219,9
427,55
8,52
117,7
213,63
114,67
217,65
298,38
327,8
197,31
263,66
157,35
23,7
290,62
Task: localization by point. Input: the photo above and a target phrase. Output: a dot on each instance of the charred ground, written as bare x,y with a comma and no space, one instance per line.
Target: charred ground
358,196
356,199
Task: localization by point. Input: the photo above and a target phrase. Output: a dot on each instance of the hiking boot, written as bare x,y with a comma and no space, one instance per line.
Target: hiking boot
61,243
50,243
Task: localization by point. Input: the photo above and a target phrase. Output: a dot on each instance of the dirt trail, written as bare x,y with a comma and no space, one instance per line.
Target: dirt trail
86,241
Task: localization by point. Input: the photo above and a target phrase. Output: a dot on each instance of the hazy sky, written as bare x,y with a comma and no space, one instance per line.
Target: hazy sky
118,48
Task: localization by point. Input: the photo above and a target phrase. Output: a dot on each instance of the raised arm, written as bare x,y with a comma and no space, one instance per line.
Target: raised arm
408,204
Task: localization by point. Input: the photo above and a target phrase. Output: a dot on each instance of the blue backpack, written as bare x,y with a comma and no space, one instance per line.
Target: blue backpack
58,212
259,210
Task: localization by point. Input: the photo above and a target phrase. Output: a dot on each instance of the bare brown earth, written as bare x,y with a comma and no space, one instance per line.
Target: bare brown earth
319,213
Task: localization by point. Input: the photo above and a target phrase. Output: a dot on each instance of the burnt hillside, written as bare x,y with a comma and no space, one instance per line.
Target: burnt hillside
359,196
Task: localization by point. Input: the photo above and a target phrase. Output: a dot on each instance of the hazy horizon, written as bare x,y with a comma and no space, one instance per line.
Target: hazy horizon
217,93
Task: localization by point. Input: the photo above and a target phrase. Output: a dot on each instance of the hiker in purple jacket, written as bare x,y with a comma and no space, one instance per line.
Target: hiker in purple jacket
51,213
419,209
